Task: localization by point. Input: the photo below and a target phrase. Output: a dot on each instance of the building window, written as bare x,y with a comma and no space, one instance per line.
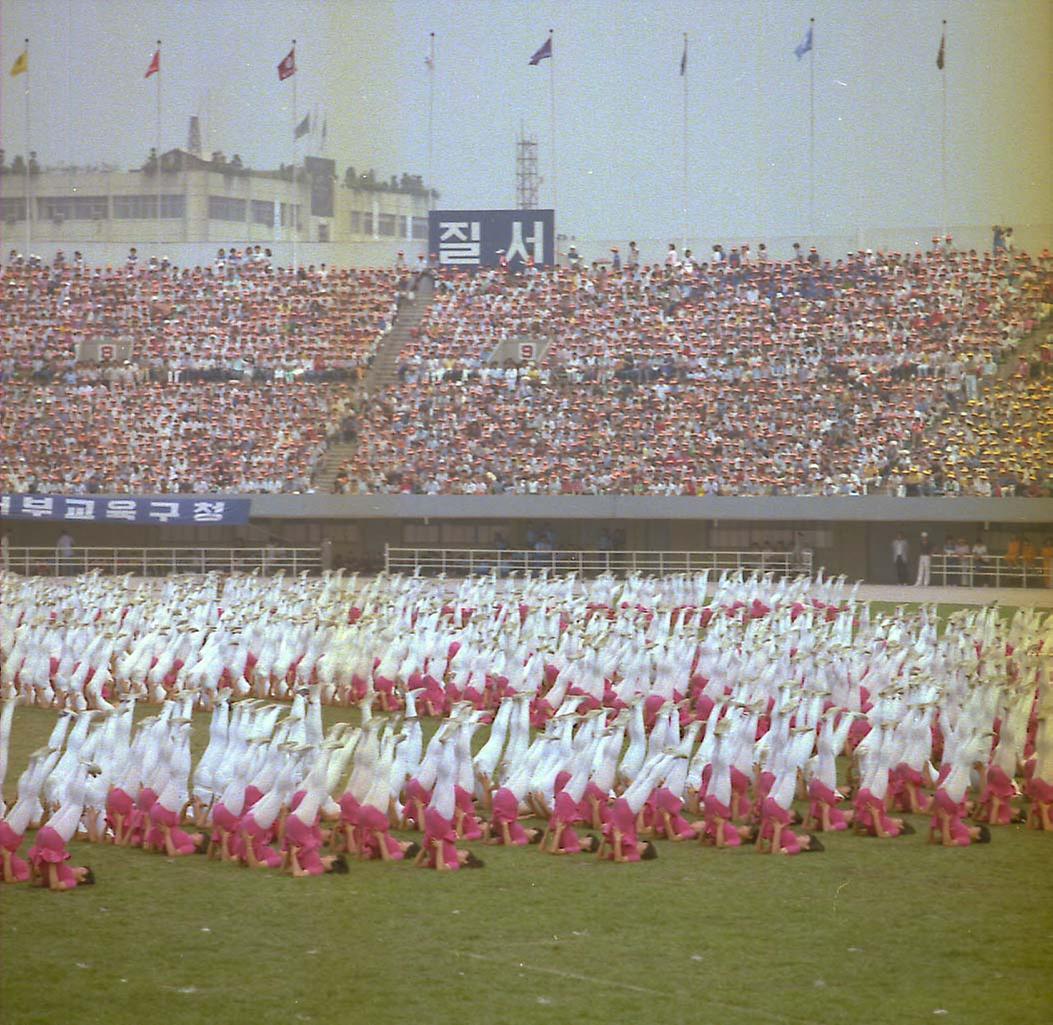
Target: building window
420,227
226,208
356,222
367,223
144,208
12,208
134,208
387,225
73,208
173,206
323,232
263,212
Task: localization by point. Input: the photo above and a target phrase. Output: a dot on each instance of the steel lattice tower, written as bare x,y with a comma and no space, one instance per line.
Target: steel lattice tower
528,181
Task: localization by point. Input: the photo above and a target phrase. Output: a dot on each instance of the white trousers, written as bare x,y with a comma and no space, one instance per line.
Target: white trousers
924,566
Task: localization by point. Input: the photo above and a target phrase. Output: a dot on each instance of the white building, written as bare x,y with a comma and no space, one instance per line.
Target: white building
208,201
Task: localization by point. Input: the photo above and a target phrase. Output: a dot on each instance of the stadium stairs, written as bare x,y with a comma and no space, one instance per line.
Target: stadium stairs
382,372
1026,348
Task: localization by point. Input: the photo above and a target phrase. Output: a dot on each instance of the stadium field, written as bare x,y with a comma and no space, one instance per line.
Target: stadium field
870,931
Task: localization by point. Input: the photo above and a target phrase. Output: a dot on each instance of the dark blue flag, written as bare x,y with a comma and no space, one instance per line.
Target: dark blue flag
805,45
543,51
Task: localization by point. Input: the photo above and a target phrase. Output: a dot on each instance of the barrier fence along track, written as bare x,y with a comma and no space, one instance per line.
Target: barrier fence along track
989,571
946,570
161,561
483,561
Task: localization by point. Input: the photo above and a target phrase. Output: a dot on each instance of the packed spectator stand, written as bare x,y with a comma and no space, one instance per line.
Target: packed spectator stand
238,373
876,373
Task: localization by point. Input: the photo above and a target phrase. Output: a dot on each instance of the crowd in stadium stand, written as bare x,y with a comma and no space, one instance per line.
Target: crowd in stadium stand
238,371
237,318
178,438
876,373
879,372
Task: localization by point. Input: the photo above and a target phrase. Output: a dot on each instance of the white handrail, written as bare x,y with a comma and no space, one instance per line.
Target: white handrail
989,571
483,561
154,561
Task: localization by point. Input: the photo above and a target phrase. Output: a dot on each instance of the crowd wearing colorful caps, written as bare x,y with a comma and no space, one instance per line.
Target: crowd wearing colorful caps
733,376
237,374
876,373
238,314
166,438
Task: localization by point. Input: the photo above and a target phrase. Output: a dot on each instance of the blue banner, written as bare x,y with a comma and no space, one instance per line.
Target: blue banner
94,509
481,238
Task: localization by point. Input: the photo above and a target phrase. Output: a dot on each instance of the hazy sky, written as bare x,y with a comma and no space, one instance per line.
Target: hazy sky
619,101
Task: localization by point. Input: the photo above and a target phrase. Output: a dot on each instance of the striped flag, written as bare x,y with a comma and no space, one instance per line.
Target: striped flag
287,67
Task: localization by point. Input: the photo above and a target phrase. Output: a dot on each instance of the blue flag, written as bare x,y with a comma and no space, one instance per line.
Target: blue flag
805,45
543,51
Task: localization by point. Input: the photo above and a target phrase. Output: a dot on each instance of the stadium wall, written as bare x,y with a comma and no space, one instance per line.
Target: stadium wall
848,535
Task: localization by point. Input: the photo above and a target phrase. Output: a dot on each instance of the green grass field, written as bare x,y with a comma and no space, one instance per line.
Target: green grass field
869,932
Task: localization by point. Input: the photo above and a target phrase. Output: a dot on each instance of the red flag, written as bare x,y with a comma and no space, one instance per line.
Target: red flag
155,64
287,68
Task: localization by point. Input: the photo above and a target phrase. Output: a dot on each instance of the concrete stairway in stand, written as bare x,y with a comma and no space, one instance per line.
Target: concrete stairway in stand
382,372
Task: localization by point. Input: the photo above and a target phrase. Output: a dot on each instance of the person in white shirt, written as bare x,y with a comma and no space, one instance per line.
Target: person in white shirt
924,560
978,561
900,554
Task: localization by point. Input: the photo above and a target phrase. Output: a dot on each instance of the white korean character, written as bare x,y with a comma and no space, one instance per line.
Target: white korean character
79,509
120,509
163,511
5,505
517,248
459,242
209,512
35,506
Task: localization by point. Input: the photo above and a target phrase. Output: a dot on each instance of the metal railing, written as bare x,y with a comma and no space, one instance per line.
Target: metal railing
989,571
483,561
161,561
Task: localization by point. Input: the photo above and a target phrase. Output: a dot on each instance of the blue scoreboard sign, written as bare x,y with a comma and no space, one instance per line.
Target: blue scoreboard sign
480,238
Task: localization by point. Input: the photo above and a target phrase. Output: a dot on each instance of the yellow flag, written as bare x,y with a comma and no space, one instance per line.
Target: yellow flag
21,65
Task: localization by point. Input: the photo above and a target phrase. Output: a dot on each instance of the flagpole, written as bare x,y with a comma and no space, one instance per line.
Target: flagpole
292,206
683,245
160,231
69,82
431,112
29,202
552,123
811,129
943,135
